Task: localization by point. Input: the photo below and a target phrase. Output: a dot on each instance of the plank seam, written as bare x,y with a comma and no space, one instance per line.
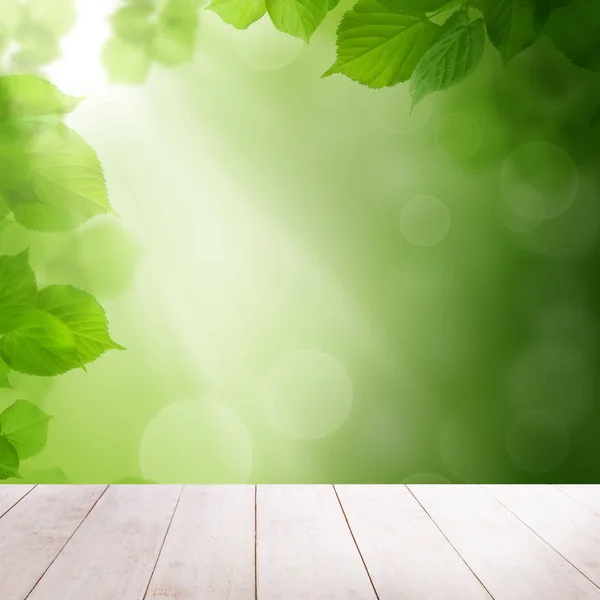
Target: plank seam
355,542
17,502
256,542
451,544
68,540
540,537
576,500
162,544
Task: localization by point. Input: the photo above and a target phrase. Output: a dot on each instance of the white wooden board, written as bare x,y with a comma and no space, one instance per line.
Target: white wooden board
209,552
113,553
304,548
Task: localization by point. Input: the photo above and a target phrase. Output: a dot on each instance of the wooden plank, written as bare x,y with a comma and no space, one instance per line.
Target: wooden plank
570,528
304,547
588,495
113,553
35,531
398,540
209,551
511,561
10,495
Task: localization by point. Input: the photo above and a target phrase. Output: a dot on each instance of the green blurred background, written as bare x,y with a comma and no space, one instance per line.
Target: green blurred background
315,283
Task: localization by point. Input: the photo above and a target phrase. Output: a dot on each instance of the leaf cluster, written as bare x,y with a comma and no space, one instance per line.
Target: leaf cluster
50,180
49,331
299,18
433,43
33,30
147,31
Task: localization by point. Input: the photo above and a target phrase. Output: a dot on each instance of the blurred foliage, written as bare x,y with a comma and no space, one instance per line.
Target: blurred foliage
30,32
381,43
50,180
148,31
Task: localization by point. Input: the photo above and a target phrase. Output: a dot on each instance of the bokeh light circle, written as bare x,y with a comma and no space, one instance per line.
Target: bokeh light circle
265,48
512,221
308,394
539,181
538,441
425,220
196,441
458,136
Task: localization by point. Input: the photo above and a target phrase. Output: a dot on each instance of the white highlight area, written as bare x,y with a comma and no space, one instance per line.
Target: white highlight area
79,71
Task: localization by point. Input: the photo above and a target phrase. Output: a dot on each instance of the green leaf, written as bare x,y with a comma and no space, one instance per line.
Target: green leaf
299,18
84,317
31,96
379,45
17,289
449,5
575,31
42,345
25,426
11,12
4,371
512,25
4,210
418,7
544,8
454,55
57,16
176,30
36,46
10,18
126,62
239,13
65,185
132,23
9,460
133,481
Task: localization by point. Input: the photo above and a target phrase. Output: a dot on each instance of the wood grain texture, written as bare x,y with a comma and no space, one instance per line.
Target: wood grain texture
11,494
209,551
588,495
113,553
570,528
406,554
511,561
304,547
33,533
418,542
